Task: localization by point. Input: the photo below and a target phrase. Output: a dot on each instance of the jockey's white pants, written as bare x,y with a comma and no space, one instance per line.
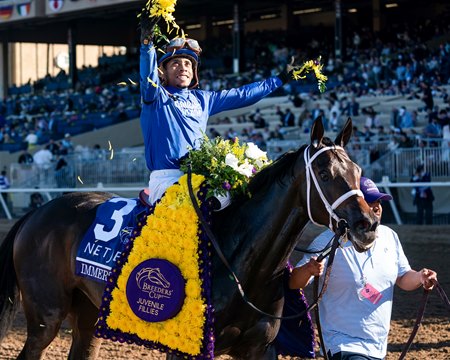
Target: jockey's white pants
161,180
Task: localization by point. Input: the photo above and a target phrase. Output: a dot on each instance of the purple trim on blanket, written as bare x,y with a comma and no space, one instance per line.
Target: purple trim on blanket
205,266
296,336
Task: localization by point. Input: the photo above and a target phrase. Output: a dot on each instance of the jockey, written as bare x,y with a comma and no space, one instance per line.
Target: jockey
175,112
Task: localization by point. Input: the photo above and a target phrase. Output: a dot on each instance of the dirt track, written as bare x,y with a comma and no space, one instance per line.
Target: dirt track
425,246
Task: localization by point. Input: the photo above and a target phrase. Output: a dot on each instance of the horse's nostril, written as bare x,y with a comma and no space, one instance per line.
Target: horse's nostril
374,226
362,226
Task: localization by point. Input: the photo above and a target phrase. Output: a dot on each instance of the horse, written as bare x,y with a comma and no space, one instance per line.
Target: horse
257,235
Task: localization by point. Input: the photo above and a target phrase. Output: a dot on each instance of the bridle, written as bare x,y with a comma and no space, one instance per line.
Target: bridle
311,175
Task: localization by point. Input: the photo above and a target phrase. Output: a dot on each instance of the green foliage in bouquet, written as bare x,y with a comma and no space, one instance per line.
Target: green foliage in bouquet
226,164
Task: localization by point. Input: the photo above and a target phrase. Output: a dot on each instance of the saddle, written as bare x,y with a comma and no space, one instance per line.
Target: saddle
143,197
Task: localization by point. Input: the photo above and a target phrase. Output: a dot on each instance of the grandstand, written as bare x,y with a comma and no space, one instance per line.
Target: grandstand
89,104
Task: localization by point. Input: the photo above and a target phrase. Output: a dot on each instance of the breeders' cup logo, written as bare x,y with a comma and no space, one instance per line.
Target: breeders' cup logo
125,234
153,282
155,290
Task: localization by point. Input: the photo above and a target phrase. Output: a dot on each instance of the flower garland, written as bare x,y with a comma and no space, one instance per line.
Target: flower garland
157,9
171,233
226,164
299,72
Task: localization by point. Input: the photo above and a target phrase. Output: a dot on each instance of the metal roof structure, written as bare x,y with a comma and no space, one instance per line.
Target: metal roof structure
116,24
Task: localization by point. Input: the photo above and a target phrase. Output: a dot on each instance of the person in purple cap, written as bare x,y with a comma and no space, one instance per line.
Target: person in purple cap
174,111
355,310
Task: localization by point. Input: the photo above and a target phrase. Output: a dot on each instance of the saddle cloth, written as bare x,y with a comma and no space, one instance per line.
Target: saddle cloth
107,237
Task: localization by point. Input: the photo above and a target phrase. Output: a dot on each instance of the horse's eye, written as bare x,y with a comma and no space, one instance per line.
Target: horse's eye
324,176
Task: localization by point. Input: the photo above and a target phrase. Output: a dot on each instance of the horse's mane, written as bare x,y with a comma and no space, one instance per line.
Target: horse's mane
275,171
278,169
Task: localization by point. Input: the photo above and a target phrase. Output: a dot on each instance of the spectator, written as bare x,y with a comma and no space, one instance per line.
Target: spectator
43,161
25,158
43,158
367,134
63,176
275,135
423,197
404,141
433,129
443,118
31,139
317,111
372,119
53,147
259,121
362,292
297,101
427,96
395,119
288,118
305,120
279,113
334,120
36,200
352,108
4,184
405,118
66,145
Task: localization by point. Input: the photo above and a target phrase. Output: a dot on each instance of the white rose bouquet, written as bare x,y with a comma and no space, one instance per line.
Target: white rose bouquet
226,164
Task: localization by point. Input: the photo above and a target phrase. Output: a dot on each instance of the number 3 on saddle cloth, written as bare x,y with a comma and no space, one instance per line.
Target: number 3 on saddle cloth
106,238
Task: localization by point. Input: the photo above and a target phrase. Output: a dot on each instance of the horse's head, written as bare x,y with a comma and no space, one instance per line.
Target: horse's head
333,187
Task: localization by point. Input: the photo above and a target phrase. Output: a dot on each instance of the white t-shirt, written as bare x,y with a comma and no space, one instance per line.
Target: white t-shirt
349,321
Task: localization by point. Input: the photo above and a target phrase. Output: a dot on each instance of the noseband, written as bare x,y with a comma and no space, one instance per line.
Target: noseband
311,175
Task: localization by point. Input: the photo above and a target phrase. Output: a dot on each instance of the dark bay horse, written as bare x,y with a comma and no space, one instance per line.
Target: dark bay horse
257,236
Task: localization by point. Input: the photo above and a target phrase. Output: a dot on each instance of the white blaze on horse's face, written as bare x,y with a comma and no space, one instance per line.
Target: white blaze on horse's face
324,175
348,205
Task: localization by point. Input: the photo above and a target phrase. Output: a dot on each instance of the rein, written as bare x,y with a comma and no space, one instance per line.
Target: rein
419,317
225,262
330,208
222,257
421,312
342,230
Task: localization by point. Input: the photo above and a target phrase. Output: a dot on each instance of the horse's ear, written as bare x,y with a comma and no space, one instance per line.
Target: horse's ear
344,136
317,132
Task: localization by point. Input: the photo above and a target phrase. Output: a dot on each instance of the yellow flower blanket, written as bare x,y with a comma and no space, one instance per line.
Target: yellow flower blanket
158,294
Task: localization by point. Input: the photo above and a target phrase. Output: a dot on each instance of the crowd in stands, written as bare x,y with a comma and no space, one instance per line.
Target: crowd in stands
50,108
410,60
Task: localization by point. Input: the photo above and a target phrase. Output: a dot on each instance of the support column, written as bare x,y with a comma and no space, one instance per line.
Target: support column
286,15
338,31
206,28
376,10
4,66
237,37
71,42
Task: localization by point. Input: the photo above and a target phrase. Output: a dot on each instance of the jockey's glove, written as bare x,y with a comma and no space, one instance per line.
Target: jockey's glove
147,25
286,75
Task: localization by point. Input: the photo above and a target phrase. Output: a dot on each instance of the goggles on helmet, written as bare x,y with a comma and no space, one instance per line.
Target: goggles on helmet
181,43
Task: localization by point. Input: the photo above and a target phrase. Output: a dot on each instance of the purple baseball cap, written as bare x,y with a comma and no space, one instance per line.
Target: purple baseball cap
371,192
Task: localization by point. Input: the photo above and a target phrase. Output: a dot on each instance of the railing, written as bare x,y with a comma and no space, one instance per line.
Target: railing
84,169
46,193
401,163
275,148
386,185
